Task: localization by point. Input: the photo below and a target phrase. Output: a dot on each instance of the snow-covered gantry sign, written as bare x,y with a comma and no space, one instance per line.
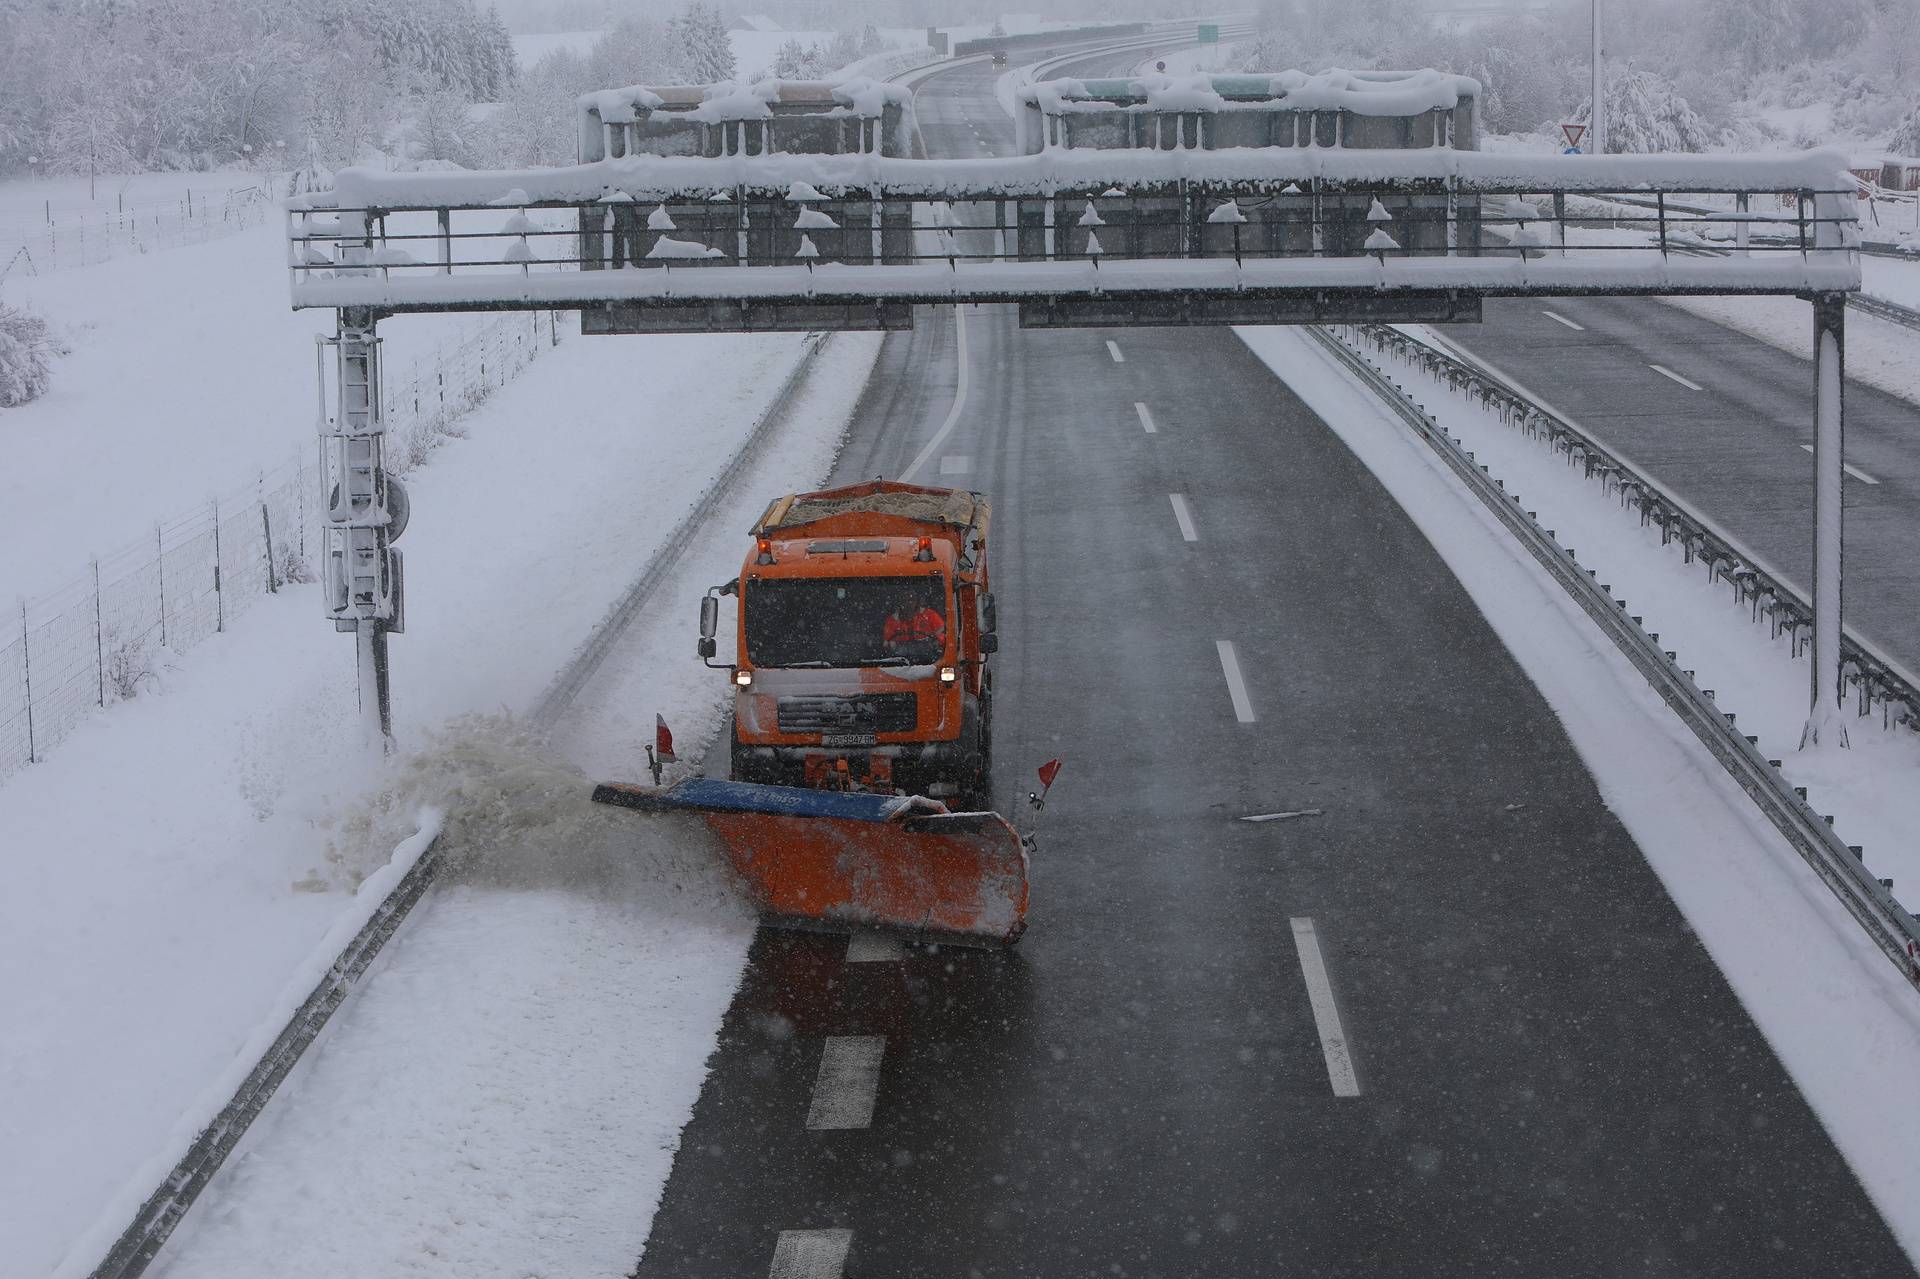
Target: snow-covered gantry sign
1269,235
796,207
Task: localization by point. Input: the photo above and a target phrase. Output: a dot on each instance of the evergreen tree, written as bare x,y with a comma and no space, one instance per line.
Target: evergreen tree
704,45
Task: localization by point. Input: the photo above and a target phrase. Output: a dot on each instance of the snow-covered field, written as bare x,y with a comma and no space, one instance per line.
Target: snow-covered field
189,375
1837,1013
198,843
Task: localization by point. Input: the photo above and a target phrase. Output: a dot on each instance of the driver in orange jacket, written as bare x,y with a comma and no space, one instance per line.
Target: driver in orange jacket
911,623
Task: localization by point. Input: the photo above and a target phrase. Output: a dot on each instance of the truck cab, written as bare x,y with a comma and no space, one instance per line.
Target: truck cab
861,643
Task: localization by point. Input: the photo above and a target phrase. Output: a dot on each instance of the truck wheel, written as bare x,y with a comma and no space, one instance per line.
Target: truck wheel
739,767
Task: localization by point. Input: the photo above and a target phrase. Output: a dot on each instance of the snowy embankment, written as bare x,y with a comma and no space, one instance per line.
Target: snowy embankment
1840,1017
189,852
505,1094
189,375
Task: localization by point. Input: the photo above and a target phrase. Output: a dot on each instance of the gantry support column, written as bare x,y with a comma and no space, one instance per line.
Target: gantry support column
1825,721
361,503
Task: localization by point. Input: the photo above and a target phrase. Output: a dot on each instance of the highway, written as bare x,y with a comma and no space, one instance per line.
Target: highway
1443,1021
1725,421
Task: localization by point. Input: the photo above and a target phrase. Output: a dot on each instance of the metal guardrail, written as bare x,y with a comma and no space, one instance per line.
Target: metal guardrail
1884,309
1871,677
168,1204
1840,866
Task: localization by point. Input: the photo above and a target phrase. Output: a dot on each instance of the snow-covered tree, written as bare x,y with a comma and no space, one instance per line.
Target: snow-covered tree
1905,138
704,45
439,128
1645,113
27,348
1757,34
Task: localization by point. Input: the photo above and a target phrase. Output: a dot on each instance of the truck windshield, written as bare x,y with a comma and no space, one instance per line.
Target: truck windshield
845,621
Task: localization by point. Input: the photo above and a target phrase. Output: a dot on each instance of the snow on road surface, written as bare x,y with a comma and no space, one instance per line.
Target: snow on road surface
504,1094
1835,1011
181,858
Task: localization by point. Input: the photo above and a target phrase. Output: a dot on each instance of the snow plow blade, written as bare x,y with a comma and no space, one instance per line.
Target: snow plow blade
858,861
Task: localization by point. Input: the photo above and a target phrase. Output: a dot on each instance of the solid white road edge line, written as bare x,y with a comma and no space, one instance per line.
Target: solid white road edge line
1555,315
959,397
843,1091
1183,517
1326,1015
810,1254
1666,372
874,948
1113,349
1850,469
1146,418
1236,687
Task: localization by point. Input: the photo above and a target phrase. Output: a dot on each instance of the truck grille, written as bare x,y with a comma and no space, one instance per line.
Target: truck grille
869,713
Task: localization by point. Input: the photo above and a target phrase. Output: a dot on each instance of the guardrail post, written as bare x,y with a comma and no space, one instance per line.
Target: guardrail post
1825,723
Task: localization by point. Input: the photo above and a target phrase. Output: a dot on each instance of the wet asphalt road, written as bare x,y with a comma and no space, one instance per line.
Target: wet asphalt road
1734,448
1538,1070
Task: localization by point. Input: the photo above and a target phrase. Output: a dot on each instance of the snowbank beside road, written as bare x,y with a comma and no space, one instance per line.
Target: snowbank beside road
505,1095
178,859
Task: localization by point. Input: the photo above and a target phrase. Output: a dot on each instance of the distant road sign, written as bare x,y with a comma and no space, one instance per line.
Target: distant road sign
1574,133
1209,33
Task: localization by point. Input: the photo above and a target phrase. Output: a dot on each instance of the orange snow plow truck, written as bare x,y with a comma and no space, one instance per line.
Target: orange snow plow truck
861,741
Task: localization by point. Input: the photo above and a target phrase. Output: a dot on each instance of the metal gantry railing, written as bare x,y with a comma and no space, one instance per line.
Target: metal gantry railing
1267,224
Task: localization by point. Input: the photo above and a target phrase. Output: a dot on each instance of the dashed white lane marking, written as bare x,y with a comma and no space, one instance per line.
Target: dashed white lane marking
1146,418
843,1091
1850,469
1326,1015
1555,315
1666,372
874,948
810,1254
959,398
1236,687
955,465
1113,349
1183,516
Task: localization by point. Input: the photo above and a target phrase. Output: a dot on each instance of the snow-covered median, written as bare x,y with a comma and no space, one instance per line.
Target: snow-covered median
174,863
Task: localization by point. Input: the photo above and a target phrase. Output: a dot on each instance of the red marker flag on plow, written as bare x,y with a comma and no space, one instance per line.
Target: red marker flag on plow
1048,771
662,741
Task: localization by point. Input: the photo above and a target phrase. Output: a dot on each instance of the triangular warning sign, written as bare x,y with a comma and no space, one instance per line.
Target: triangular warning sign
1574,133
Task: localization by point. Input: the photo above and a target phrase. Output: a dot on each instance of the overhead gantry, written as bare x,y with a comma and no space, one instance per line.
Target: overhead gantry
1242,235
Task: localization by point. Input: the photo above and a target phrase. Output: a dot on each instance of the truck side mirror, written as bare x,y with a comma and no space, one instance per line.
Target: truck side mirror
989,616
989,642
707,648
709,620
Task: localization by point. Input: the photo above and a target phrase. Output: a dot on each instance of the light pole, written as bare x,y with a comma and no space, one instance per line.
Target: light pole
1596,123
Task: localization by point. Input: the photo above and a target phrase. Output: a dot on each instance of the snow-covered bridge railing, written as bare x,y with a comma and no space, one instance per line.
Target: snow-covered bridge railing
1147,237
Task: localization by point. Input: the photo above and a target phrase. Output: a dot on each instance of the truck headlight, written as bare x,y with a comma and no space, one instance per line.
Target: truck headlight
948,674
743,678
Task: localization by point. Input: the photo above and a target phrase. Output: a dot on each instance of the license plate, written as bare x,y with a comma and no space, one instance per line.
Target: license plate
848,739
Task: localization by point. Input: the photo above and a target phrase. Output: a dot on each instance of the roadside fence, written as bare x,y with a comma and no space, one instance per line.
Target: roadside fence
106,635
62,240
